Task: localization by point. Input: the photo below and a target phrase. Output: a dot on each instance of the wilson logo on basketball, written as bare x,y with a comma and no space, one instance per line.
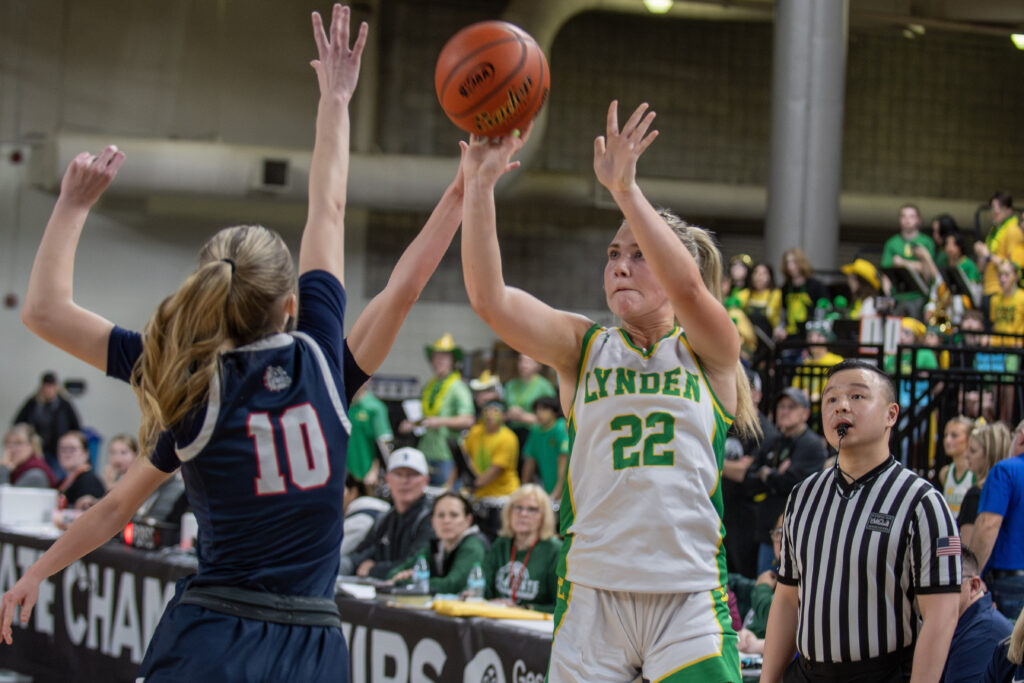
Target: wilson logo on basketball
483,73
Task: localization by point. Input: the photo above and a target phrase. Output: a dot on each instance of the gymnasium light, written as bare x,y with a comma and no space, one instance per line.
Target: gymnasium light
1018,40
658,6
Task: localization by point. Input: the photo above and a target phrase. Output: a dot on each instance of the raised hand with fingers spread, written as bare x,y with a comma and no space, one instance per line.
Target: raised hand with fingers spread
616,152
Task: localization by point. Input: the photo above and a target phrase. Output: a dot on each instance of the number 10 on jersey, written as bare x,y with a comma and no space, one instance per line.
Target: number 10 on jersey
658,429
304,443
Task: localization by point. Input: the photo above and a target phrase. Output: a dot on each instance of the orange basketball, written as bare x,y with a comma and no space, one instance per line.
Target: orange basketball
491,78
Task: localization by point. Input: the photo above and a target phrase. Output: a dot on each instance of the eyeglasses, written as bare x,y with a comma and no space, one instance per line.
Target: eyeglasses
526,509
777,532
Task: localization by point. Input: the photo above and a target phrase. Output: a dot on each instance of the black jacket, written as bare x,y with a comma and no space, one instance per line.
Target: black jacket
395,537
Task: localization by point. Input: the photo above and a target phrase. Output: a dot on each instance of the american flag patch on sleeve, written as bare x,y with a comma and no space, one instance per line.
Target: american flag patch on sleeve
947,545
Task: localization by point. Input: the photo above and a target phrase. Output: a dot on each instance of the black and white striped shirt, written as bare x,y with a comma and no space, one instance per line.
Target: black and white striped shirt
859,553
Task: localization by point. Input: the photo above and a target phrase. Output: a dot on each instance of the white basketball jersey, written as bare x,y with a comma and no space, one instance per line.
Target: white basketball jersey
647,438
955,489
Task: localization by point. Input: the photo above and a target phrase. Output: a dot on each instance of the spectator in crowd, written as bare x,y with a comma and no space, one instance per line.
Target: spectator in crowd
121,453
362,511
810,375
402,530
520,393
23,463
520,566
866,517
987,445
913,362
779,465
1007,663
800,292
370,441
943,226
741,542
80,486
457,545
1006,311
447,410
493,452
977,397
546,450
979,628
738,282
51,414
942,303
865,288
1004,242
762,301
755,598
956,477
999,529
900,250
486,388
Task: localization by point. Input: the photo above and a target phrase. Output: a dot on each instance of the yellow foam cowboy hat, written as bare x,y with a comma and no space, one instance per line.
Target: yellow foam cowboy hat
486,380
445,344
865,269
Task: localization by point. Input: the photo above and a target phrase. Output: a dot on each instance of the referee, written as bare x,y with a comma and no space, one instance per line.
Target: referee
870,559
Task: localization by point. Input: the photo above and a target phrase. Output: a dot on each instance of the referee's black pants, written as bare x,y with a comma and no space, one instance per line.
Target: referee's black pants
889,668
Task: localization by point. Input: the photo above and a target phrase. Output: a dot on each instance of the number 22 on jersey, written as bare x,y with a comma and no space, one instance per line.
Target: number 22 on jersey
305,446
657,430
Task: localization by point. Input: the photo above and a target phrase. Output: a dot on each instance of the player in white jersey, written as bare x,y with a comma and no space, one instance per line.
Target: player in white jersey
642,570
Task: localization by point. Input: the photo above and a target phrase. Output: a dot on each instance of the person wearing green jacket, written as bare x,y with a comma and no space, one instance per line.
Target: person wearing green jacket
520,566
457,547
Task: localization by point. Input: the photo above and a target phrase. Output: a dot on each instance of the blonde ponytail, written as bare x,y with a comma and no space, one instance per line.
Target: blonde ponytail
701,245
234,298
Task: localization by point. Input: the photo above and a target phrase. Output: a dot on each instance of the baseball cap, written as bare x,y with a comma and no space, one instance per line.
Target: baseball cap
49,377
410,458
796,395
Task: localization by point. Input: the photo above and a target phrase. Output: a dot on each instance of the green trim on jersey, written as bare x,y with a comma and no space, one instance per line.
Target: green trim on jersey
724,665
719,408
654,347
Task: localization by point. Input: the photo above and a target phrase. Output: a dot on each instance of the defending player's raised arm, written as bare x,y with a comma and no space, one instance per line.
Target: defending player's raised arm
709,329
524,322
94,528
50,310
337,72
375,329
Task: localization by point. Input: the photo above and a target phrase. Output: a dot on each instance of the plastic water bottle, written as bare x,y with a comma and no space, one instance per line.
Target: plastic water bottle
421,575
475,583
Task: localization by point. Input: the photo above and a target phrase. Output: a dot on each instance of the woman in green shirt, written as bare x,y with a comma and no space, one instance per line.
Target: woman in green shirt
459,545
520,566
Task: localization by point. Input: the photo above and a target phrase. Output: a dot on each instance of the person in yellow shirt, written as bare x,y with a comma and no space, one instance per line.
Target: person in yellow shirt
493,450
1006,311
810,376
1005,242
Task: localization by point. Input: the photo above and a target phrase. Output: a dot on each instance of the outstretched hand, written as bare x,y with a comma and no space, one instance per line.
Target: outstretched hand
24,593
487,159
616,152
337,66
88,176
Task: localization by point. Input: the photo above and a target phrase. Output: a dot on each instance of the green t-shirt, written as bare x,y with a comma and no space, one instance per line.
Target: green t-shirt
456,400
470,551
369,417
897,246
544,446
523,394
536,583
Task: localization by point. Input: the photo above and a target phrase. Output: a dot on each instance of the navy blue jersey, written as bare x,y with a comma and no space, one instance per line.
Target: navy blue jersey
264,459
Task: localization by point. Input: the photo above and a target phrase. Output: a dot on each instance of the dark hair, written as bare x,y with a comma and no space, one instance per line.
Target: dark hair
859,364
961,242
353,483
1003,197
947,225
549,402
969,559
467,507
771,274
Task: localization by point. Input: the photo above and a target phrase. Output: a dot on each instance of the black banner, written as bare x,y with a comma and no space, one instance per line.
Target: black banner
93,621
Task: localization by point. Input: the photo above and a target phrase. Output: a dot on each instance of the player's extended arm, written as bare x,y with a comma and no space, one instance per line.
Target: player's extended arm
709,329
780,634
939,613
374,332
524,322
94,528
50,310
337,72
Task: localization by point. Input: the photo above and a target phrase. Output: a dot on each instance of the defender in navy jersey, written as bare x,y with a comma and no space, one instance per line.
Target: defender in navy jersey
254,417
